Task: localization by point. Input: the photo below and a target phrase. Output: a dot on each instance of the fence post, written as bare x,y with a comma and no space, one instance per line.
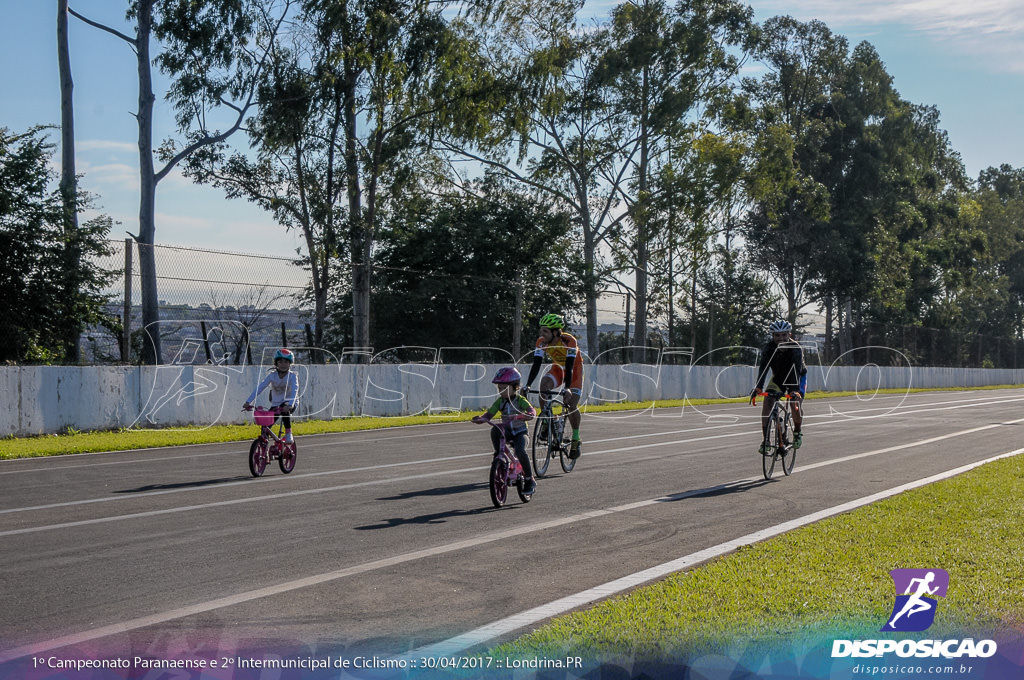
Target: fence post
284,336
313,359
126,325
206,341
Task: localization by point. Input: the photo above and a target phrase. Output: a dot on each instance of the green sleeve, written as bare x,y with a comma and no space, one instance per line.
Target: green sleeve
495,407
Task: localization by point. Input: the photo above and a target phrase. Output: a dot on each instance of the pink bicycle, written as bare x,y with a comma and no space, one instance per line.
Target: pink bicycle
270,446
506,471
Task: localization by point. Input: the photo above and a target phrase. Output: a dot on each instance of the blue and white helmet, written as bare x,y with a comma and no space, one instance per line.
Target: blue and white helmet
780,326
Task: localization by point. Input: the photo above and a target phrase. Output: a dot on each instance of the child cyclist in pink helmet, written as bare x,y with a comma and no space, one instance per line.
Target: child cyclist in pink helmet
284,389
515,412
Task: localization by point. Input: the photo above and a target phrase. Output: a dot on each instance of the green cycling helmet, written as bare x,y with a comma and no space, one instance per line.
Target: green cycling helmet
552,321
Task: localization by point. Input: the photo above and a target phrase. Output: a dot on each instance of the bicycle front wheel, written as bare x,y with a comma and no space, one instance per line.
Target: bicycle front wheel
541,451
563,449
499,482
788,457
771,441
289,452
257,458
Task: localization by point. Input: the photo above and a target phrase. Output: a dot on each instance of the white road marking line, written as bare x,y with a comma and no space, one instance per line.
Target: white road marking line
496,629
526,618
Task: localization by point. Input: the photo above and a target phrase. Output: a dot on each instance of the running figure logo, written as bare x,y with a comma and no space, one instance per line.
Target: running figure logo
916,590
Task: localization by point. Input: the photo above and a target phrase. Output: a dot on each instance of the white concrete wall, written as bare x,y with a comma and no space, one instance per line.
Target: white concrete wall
49,399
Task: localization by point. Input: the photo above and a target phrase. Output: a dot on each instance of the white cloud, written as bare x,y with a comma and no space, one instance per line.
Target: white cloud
992,30
106,145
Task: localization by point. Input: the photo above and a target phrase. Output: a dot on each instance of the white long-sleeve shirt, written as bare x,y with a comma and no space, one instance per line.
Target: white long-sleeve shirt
283,389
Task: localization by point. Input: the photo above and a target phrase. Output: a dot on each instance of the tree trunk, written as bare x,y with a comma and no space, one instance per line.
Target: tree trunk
68,190
642,232
151,353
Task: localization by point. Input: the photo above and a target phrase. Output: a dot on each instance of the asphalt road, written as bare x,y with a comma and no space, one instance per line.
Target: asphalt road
386,541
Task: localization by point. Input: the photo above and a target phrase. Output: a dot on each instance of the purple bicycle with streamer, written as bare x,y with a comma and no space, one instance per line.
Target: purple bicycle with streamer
506,470
269,446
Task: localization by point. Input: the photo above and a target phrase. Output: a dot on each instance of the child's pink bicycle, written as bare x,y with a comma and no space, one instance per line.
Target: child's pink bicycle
506,471
269,446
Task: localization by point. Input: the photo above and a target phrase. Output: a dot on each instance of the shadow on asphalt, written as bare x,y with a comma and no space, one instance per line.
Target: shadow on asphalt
436,518
438,491
712,491
184,485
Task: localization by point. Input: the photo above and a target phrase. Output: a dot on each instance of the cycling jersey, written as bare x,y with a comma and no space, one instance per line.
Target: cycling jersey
563,350
786,361
283,389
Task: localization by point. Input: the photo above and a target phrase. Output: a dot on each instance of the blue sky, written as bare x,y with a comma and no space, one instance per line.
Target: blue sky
965,57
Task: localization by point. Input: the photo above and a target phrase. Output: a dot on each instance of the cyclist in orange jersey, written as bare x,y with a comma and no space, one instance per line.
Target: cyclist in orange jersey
564,351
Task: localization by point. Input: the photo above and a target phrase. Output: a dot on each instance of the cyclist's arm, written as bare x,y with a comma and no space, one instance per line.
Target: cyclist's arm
570,363
293,390
259,388
538,356
762,369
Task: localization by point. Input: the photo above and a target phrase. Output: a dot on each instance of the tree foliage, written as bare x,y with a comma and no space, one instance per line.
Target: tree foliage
45,299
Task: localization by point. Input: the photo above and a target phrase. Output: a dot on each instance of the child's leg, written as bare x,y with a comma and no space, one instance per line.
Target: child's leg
495,439
519,445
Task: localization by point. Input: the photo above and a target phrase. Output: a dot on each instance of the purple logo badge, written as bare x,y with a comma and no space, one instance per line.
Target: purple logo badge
916,590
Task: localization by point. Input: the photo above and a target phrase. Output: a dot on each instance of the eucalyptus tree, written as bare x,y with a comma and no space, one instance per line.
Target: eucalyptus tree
544,122
792,116
668,69
68,175
210,51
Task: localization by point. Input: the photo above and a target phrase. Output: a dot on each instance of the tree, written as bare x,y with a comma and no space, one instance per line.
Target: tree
47,302
544,123
207,55
68,177
668,68
448,272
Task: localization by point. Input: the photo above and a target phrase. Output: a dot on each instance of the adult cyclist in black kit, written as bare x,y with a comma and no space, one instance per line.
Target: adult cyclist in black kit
785,358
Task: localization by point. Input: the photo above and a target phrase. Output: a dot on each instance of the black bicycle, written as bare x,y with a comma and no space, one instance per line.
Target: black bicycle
777,446
550,436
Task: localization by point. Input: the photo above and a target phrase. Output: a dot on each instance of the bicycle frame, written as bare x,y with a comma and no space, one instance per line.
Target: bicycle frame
555,442
778,447
506,470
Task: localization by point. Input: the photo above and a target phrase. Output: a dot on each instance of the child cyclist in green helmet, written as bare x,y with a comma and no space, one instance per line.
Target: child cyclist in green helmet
515,411
564,351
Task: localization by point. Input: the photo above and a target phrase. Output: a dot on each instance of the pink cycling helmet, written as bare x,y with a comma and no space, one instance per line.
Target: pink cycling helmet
507,375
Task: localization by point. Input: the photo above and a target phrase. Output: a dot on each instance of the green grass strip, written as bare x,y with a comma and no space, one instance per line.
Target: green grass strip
127,439
827,580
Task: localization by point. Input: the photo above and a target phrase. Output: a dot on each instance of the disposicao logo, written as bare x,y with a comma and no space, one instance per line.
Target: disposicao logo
914,611
916,590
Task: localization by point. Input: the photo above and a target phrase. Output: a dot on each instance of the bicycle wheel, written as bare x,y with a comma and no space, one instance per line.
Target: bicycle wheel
541,452
289,452
257,458
520,485
772,444
563,447
789,452
499,482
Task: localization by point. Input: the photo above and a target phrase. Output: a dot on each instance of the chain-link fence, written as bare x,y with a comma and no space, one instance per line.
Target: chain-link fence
223,307
230,307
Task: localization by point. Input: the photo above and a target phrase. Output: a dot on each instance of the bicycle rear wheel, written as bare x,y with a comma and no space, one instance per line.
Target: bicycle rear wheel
541,452
289,452
257,458
499,482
